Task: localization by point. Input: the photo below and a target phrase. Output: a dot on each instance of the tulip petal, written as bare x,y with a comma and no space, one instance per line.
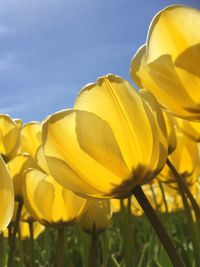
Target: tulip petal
174,24
9,136
166,83
115,100
82,152
49,202
31,137
17,165
6,196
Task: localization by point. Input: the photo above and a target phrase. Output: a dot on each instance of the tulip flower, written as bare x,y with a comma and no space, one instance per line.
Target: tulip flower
9,137
190,128
17,165
96,217
19,122
46,200
185,159
94,221
6,196
171,134
31,138
114,140
168,64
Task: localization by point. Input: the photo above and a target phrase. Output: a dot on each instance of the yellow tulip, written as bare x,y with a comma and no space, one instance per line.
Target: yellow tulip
113,140
96,217
9,137
171,134
190,128
168,65
6,196
19,122
46,200
17,165
31,138
185,159
115,205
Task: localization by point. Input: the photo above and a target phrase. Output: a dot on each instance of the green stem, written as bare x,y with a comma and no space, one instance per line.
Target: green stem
184,187
30,224
1,250
21,248
154,196
163,196
93,249
191,227
126,230
159,229
13,237
61,246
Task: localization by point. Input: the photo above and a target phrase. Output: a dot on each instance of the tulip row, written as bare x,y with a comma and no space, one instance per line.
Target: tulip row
116,143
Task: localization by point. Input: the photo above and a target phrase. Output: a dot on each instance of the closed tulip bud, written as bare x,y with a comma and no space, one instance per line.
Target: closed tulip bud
6,196
96,217
169,67
114,140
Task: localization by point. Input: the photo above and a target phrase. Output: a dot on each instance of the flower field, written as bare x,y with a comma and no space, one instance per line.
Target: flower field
113,181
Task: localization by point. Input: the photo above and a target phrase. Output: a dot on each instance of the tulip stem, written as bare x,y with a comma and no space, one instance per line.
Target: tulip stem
191,227
30,224
61,246
184,187
93,248
159,229
13,236
127,233
1,250
164,198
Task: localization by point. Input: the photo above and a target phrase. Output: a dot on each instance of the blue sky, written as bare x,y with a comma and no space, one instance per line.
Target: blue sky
49,49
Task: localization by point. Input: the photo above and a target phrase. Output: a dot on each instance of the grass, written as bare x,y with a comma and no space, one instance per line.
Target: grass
145,248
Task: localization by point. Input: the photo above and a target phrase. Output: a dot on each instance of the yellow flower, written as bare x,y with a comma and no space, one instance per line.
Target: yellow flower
185,159
9,137
113,140
31,138
46,200
19,123
6,196
17,165
115,205
190,128
171,134
168,65
96,217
